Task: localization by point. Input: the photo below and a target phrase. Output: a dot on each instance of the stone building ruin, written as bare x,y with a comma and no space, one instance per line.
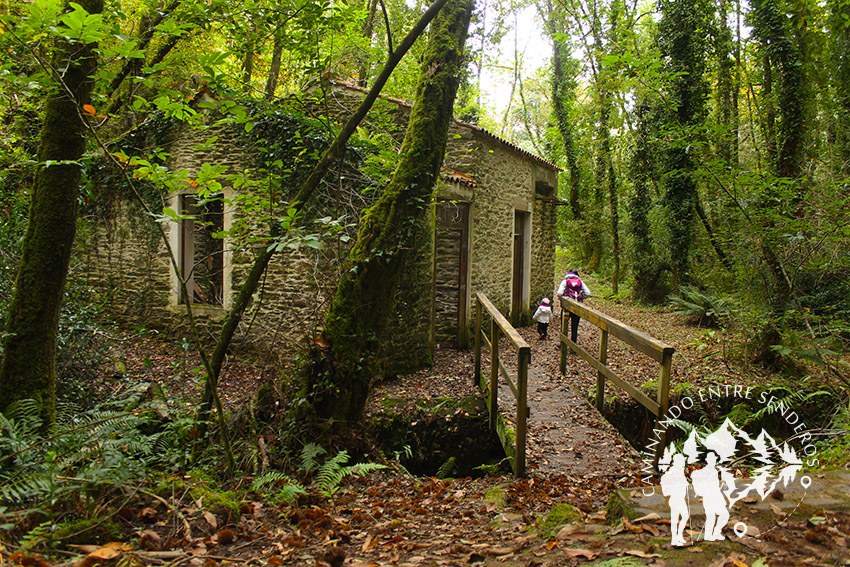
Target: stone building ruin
491,230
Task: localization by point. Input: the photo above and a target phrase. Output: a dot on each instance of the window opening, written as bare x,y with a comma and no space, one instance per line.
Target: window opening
201,250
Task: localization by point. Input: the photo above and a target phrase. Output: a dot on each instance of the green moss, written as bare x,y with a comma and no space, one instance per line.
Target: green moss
213,499
510,436
391,402
559,515
497,496
473,405
619,507
625,561
89,531
447,468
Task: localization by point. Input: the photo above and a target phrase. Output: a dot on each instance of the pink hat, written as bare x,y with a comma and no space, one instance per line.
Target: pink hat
545,301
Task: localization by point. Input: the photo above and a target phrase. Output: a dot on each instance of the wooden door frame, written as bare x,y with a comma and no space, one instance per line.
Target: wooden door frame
462,334
520,266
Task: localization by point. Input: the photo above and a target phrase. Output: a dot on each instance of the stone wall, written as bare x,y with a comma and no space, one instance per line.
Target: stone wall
507,180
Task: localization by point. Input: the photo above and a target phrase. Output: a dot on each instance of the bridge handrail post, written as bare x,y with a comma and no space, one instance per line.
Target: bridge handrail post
562,345
600,377
477,375
494,372
523,360
663,401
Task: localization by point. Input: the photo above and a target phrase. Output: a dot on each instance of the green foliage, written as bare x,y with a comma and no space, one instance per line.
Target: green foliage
799,398
87,456
702,306
835,450
326,474
287,490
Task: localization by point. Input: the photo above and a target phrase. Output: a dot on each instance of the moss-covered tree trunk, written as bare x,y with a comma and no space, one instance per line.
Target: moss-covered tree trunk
28,369
358,315
563,92
646,266
839,34
682,37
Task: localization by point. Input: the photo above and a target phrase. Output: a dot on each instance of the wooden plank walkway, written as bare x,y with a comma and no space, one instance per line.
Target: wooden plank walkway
566,434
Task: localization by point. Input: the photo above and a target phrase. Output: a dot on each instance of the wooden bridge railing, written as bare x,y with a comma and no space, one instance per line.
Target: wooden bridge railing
658,350
518,384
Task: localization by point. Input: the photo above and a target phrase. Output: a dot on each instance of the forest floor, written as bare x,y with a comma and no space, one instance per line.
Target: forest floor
390,518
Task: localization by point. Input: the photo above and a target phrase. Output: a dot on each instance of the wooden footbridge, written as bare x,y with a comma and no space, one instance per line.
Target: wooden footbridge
530,408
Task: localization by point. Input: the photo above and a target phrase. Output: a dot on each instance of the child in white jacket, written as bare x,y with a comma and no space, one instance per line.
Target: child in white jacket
543,316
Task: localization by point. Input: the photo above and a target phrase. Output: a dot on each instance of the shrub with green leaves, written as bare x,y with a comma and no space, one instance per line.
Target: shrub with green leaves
327,475
702,306
57,476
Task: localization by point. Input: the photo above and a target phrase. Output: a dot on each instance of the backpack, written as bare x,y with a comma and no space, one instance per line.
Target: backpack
572,289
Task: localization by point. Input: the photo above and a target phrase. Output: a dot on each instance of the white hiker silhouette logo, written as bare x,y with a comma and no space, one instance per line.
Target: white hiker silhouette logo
715,484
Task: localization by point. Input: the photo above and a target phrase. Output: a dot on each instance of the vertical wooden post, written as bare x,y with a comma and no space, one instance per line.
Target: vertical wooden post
663,399
523,360
477,375
494,373
600,378
561,340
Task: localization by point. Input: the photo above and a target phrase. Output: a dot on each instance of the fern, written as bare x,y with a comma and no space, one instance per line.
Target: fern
309,455
703,306
360,469
22,490
682,425
272,477
288,492
795,398
331,473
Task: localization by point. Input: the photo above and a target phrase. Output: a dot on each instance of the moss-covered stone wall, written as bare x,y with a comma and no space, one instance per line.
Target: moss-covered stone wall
128,262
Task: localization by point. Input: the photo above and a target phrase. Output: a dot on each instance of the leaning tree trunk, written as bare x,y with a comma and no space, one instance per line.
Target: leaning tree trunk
28,369
341,373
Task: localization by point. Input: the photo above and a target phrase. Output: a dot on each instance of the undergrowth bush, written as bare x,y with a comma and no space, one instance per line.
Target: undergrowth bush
325,474
86,459
702,306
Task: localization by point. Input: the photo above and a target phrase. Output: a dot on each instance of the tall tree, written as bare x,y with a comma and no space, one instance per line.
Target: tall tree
839,27
28,368
770,26
727,89
363,301
563,93
645,263
682,38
